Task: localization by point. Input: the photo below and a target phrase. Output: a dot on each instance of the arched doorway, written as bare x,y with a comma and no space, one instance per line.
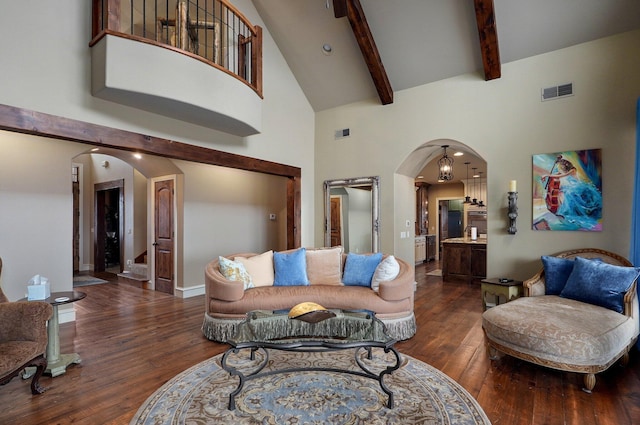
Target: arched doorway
440,203
112,220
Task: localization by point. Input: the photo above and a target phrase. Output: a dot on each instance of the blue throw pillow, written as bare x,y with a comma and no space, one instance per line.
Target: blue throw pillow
359,269
556,273
599,283
290,268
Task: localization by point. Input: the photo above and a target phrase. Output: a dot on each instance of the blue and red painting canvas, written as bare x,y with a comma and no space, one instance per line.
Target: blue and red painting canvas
567,191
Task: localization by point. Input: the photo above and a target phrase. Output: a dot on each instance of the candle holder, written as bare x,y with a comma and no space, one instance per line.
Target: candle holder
513,212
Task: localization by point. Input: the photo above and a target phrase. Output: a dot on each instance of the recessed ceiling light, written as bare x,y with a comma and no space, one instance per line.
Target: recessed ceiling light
137,156
95,149
458,153
420,177
327,49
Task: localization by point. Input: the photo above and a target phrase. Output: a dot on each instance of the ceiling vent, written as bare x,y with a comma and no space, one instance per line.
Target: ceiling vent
555,92
341,134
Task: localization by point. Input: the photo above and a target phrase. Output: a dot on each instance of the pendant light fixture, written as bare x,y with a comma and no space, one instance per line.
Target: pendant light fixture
445,166
467,198
474,201
480,202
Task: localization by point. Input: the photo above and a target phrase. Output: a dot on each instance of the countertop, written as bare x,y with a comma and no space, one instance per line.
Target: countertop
466,240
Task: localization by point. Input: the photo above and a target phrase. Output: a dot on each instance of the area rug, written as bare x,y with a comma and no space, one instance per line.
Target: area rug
85,280
436,272
422,394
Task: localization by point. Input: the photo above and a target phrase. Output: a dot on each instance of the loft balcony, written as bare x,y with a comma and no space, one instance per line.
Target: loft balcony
198,61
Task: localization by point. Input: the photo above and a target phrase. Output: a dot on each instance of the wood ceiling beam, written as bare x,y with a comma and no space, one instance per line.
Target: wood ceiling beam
26,121
339,8
352,9
486,20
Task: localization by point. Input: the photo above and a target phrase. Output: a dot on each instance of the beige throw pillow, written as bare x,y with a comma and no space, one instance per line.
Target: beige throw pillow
259,267
324,266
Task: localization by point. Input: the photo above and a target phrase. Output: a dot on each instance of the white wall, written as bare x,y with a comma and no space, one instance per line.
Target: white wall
35,212
227,211
506,123
52,74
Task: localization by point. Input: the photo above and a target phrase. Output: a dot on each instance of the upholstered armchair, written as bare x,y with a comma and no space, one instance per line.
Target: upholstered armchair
23,338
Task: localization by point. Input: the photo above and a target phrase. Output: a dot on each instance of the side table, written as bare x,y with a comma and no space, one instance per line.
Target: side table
495,291
57,363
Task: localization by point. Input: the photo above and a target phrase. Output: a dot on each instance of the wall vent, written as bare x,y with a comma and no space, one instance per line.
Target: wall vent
341,134
556,92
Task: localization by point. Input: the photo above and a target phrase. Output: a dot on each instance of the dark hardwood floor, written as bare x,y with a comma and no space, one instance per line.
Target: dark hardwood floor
133,340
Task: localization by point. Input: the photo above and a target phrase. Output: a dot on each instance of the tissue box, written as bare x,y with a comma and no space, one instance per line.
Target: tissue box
38,292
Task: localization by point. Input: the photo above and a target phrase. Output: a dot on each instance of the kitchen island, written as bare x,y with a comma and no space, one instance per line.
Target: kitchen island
464,259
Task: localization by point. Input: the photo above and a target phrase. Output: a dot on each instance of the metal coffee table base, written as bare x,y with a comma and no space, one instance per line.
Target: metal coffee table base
309,346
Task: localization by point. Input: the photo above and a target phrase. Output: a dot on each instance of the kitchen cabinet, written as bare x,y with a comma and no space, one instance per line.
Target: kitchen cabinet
464,259
421,249
431,247
422,205
478,261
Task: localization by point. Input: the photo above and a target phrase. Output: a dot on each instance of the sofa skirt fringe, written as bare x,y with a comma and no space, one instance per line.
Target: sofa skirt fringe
401,328
221,330
217,329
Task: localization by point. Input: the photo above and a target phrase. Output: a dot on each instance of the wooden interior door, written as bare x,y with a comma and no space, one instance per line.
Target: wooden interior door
75,187
164,236
335,222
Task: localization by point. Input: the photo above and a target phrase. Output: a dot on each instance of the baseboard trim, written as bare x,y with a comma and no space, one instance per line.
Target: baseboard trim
191,291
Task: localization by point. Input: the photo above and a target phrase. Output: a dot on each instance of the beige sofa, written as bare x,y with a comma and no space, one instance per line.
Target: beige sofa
563,333
227,301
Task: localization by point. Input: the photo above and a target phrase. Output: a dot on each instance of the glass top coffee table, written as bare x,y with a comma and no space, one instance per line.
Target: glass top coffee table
264,330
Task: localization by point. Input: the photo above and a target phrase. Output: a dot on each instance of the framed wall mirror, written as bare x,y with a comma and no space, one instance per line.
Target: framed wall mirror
351,214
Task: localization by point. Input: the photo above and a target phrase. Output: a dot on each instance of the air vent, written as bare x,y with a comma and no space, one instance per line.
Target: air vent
341,134
556,92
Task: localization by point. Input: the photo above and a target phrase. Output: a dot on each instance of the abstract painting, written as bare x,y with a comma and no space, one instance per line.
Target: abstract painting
567,191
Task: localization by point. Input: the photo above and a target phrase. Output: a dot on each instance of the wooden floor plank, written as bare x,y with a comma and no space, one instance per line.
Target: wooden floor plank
132,341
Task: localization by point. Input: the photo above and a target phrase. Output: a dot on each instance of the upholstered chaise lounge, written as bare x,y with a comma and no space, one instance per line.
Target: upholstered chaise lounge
324,279
579,314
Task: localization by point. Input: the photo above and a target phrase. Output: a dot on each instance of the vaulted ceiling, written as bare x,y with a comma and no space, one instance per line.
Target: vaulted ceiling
422,41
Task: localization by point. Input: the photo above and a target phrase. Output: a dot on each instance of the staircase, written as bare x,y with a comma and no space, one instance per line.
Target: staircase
137,274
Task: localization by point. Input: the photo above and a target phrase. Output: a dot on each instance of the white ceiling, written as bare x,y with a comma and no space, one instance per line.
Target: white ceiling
421,41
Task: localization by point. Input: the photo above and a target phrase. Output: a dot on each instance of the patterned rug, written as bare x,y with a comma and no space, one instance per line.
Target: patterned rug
86,280
422,394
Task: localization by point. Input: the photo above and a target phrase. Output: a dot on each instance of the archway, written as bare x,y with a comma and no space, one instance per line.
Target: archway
421,166
96,168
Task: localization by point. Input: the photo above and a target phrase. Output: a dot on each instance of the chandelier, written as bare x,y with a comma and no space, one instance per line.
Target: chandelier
445,167
467,198
474,201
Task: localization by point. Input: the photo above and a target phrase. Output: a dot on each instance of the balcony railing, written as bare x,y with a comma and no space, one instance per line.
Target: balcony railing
213,31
